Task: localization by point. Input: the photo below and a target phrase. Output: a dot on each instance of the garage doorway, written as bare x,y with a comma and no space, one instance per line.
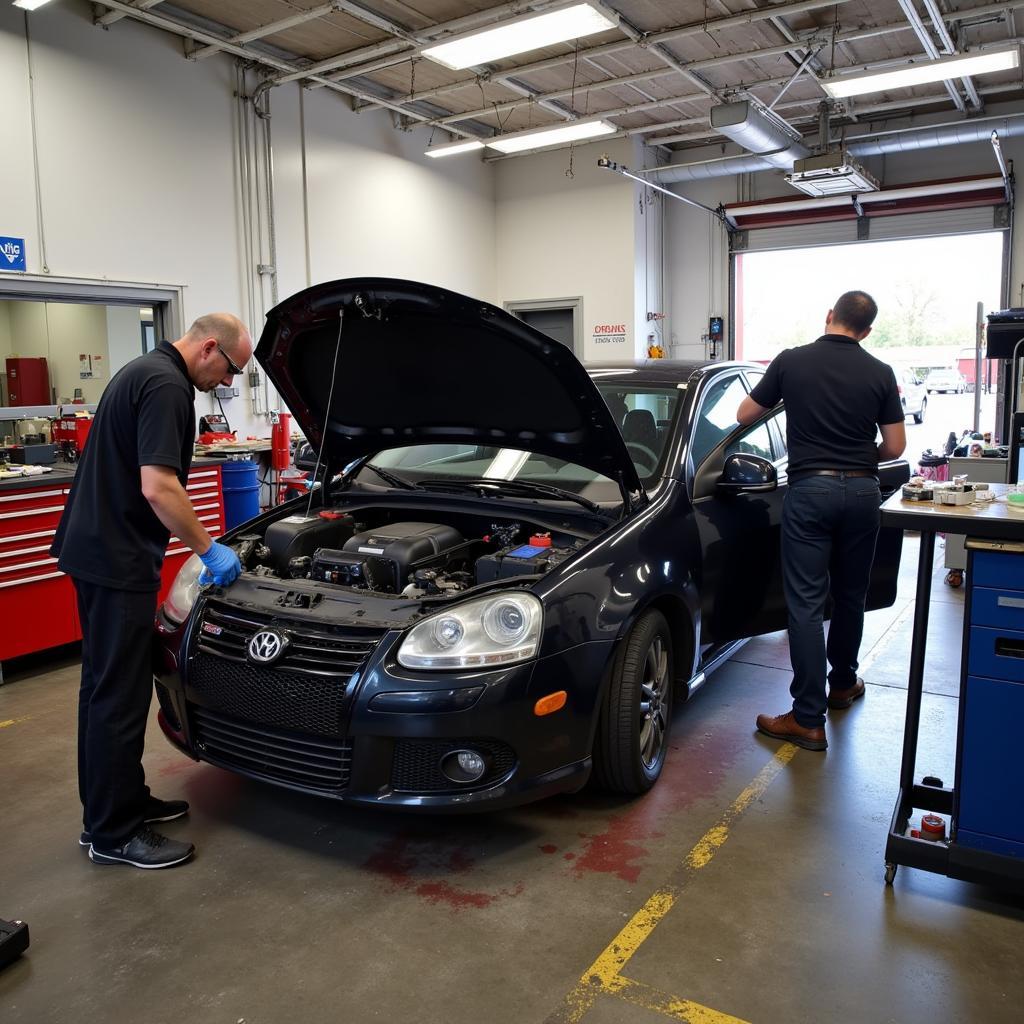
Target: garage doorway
559,319
927,291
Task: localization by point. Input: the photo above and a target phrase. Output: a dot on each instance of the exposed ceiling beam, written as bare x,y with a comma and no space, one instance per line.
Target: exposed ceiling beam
268,30
470,21
111,16
949,47
199,36
652,39
910,10
715,24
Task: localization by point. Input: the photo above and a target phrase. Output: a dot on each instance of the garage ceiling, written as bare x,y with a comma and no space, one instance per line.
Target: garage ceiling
656,76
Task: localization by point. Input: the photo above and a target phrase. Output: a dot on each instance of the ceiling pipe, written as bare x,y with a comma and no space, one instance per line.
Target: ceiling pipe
912,140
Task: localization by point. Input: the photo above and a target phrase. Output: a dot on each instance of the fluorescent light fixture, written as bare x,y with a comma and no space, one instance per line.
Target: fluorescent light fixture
535,138
923,72
517,35
451,148
30,5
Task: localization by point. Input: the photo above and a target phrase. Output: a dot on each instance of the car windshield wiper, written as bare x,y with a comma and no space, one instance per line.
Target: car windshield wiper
390,478
486,485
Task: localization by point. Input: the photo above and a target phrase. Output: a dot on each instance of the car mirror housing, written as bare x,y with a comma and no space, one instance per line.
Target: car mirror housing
746,474
305,457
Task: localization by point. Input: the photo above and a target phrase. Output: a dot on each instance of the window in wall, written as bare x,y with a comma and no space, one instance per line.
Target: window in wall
83,345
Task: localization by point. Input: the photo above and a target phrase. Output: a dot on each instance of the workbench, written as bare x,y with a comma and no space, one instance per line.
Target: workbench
989,767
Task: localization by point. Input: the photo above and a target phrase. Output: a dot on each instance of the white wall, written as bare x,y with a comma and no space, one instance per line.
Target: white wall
138,175
561,237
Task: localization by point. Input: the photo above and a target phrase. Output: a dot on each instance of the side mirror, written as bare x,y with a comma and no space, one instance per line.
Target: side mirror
305,457
747,474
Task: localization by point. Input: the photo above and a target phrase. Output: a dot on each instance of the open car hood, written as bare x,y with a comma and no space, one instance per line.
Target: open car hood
400,363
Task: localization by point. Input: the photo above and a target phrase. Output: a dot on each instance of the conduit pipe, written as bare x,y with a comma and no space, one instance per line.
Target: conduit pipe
912,140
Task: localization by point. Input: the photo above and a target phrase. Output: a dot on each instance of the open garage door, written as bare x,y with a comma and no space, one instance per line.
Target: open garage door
927,289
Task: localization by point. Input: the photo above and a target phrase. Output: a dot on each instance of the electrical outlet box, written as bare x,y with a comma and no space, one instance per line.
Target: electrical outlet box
223,392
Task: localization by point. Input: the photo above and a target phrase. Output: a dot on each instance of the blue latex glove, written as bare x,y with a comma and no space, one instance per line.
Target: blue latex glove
222,565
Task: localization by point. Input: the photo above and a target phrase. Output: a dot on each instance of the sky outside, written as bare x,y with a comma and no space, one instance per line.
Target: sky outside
927,292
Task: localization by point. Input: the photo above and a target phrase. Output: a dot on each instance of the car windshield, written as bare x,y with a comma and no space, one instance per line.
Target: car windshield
645,416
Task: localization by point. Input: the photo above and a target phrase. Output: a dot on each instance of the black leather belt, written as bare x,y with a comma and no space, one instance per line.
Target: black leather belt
801,474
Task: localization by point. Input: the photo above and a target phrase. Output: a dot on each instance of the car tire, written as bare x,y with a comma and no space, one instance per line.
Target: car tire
630,749
919,416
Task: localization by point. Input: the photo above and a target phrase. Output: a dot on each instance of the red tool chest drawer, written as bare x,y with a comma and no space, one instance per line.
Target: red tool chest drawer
37,601
38,607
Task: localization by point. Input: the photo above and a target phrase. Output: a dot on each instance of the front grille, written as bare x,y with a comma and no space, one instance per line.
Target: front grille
313,650
306,689
416,767
279,754
266,696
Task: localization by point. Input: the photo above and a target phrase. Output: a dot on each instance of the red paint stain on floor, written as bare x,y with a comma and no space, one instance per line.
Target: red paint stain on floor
690,775
413,863
549,848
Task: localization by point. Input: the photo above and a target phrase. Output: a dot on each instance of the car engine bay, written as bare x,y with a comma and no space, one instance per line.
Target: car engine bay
369,550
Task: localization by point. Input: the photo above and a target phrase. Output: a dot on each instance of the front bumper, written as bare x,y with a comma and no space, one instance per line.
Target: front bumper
322,734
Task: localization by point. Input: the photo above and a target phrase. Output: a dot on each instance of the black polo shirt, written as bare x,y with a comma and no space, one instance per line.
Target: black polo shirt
836,396
109,534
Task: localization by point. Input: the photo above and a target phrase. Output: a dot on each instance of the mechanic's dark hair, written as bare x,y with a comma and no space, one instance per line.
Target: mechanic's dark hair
855,310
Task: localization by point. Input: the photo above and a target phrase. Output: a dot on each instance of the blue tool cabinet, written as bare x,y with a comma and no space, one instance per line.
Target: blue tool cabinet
990,761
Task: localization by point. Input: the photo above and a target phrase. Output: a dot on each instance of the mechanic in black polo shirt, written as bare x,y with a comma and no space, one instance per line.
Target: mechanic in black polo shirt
837,398
127,498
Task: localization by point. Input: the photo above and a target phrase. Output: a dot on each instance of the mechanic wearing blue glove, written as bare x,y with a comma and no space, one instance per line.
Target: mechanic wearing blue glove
222,565
127,499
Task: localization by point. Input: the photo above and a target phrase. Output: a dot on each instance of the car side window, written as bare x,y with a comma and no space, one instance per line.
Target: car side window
781,444
755,441
717,418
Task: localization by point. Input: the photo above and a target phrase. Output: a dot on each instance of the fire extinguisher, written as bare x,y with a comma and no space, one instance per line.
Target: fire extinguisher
280,441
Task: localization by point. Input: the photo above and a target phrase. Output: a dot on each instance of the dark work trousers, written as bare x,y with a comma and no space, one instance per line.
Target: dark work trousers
829,528
113,706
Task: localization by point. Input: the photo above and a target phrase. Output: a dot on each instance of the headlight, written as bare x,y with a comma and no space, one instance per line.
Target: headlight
500,629
184,589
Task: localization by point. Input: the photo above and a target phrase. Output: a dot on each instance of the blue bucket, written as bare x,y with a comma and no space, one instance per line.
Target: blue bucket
241,492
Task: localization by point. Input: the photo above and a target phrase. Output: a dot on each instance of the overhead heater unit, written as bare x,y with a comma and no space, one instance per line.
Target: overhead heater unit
831,174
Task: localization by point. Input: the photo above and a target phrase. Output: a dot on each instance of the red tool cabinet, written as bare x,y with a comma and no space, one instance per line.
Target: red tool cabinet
37,601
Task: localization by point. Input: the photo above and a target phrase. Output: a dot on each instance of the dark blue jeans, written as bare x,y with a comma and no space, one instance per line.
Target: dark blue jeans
829,528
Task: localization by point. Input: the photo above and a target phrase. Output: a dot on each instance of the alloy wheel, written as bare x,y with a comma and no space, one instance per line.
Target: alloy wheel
653,705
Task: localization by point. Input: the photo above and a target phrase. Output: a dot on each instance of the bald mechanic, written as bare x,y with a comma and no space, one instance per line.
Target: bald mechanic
837,397
127,498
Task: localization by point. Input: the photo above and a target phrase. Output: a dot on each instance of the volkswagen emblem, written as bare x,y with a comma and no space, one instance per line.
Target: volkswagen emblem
266,646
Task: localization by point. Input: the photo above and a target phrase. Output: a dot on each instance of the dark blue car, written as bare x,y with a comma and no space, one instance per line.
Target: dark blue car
514,567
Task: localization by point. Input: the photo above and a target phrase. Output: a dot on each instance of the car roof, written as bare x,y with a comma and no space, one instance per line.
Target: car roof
660,371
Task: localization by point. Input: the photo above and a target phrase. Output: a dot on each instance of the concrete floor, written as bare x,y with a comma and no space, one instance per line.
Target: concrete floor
763,904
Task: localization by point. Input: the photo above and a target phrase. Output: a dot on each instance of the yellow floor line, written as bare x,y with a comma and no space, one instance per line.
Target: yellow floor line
685,1010
14,721
603,974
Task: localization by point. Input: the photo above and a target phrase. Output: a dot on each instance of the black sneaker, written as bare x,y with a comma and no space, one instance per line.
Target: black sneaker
156,810
145,849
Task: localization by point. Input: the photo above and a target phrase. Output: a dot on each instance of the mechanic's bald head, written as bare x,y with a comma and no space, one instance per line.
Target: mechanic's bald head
215,348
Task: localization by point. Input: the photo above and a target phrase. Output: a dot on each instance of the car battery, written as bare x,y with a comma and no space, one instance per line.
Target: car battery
300,535
521,560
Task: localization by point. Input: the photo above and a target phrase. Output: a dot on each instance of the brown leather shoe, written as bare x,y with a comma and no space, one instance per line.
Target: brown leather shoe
786,727
844,698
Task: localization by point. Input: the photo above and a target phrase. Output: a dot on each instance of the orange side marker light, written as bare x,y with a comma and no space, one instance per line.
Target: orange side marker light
551,703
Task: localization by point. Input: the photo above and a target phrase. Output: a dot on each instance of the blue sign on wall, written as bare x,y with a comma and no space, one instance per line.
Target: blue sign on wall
12,253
